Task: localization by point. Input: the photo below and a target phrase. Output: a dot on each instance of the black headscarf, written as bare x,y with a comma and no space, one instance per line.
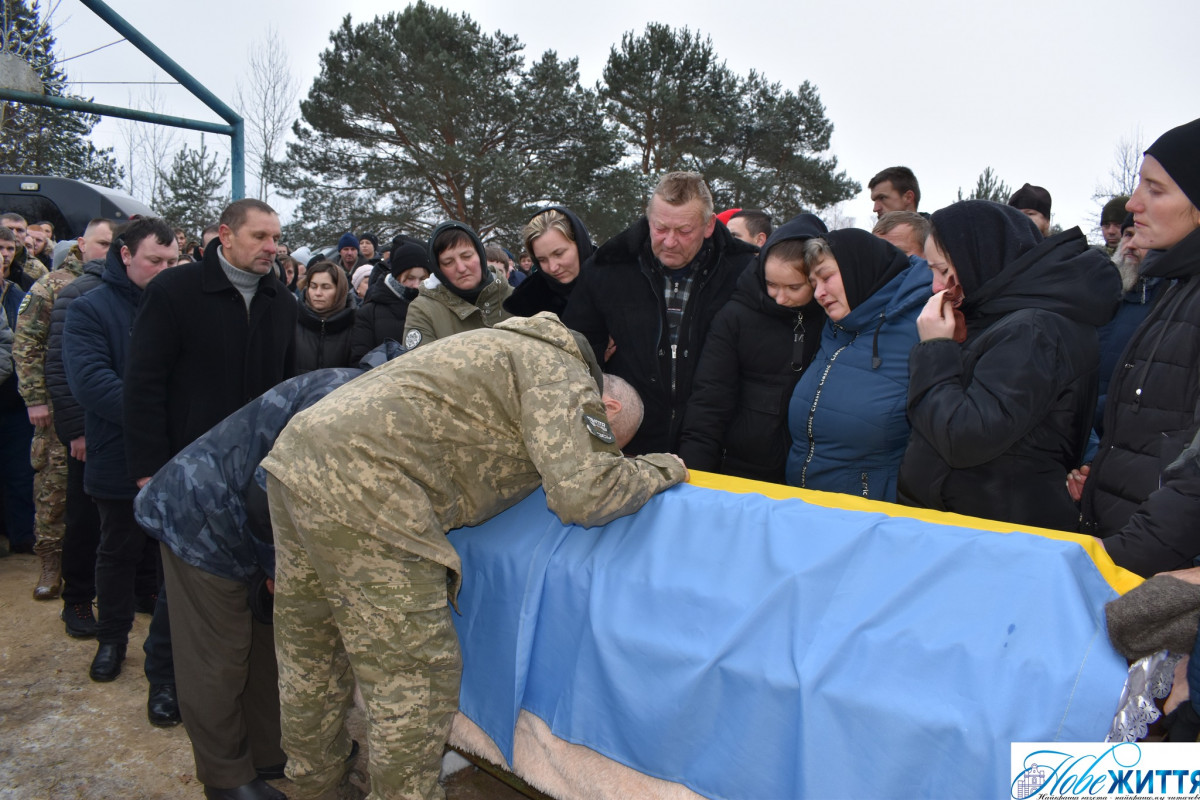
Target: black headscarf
470,295
981,238
866,262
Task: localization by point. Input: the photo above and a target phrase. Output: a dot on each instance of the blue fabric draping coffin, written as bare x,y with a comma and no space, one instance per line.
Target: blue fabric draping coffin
757,648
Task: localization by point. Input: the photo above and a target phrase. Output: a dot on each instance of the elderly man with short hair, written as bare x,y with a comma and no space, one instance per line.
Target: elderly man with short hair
654,289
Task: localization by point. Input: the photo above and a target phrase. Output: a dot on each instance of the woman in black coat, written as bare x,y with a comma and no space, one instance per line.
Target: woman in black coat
757,348
1002,385
559,243
1147,517
385,308
326,317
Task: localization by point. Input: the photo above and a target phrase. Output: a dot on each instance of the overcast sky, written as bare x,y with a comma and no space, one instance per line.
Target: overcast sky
1040,91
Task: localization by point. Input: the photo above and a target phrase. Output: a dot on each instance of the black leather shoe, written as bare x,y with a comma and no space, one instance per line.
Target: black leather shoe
255,790
162,707
106,666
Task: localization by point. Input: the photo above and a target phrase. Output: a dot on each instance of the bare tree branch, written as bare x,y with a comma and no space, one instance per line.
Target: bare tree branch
268,101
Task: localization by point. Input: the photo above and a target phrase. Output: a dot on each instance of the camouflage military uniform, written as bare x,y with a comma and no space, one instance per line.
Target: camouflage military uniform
47,454
364,486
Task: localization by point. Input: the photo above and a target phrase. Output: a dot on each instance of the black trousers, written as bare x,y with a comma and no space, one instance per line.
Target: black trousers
123,547
80,540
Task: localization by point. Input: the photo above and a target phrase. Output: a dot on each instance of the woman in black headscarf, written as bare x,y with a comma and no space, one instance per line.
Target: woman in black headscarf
560,244
847,412
1003,384
1146,516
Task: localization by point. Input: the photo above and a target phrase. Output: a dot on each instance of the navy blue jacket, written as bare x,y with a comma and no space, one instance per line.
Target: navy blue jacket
95,349
847,416
10,398
68,414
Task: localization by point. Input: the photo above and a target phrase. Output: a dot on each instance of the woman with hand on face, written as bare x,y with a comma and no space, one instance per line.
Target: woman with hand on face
1145,513
560,244
847,417
1002,387
758,346
326,319
463,294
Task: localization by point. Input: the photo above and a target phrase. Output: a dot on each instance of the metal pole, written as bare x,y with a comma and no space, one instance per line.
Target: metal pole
87,107
135,37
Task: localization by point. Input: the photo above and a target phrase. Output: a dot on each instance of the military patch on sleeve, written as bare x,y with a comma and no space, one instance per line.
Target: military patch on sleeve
599,428
412,338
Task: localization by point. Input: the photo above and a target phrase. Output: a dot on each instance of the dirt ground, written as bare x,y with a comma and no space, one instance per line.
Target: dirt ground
64,737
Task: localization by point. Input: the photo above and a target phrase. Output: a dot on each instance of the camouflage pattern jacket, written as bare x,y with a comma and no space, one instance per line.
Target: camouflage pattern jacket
204,503
456,432
207,503
33,330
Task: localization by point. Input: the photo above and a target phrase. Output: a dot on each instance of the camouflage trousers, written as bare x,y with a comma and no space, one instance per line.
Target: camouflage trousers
350,607
48,456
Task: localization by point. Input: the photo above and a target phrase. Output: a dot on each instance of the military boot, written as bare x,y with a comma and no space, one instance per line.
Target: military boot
50,584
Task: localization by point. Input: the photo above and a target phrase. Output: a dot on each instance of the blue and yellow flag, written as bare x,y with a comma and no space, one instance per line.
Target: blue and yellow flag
757,641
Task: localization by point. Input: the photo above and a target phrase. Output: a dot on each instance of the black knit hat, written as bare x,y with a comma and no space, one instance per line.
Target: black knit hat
1178,150
1034,197
1114,210
370,237
1127,223
406,254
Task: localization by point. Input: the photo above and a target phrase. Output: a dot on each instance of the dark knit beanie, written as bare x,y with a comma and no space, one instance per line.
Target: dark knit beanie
1127,223
1114,210
407,255
1178,150
1034,197
348,240
1160,614
370,237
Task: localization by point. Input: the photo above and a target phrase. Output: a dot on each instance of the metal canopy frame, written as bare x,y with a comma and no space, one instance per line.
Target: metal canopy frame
235,127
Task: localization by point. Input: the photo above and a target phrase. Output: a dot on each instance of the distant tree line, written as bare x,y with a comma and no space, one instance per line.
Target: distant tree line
419,116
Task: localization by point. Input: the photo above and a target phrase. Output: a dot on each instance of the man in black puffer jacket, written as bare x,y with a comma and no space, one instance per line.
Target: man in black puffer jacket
654,289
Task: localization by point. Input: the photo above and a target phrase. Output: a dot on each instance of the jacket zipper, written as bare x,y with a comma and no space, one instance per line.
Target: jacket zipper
812,411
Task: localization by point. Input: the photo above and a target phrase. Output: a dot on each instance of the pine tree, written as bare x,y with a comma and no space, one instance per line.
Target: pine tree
190,195
988,186
38,140
678,107
426,118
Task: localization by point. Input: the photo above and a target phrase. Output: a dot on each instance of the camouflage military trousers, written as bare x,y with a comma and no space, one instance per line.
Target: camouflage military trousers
351,607
48,456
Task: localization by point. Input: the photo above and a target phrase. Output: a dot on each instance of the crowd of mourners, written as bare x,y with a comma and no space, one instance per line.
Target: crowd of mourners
965,360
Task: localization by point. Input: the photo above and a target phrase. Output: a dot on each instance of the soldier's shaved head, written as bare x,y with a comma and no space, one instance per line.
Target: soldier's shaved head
624,407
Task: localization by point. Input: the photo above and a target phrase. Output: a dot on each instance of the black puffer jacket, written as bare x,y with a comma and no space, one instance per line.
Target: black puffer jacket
1000,420
736,421
380,317
620,294
68,414
323,342
539,292
1152,414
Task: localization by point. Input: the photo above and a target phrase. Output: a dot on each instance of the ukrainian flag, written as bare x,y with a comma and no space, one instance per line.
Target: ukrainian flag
756,641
